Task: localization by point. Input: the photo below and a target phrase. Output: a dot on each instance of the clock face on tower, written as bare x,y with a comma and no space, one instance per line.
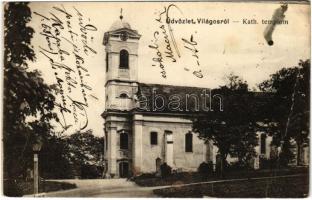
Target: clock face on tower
124,36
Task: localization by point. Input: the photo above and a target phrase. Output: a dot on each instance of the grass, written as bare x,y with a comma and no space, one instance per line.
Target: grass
149,180
21,187
294,187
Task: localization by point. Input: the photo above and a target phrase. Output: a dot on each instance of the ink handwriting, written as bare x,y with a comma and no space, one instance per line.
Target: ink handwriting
69,36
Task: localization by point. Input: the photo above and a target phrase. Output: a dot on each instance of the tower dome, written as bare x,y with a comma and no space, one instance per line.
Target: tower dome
119,24
122,30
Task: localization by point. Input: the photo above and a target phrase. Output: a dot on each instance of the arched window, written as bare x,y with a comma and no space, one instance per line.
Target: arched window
106,60
189,142
124,96
124,59
153,138
262,143
123,141
106,141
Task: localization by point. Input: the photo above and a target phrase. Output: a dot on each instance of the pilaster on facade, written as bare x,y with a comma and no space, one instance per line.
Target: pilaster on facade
112,151
137,143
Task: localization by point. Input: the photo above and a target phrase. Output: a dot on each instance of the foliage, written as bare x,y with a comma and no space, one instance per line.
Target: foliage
236,167
85,152
13,188
53,160
290,107
244,146
235,83
267,163
80,154
231,130
25,93
28,110
205,169
27,96
165,170
85,148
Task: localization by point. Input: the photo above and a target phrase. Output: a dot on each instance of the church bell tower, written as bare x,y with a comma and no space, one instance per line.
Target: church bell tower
121,47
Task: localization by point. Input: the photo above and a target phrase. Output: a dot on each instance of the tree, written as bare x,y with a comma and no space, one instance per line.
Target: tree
231,130
290,107
80,154
25,93
85,152
54,161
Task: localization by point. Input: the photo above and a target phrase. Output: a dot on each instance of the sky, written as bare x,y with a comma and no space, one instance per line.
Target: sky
222,48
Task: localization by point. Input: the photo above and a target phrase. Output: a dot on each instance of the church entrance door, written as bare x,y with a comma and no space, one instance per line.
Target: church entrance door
123,169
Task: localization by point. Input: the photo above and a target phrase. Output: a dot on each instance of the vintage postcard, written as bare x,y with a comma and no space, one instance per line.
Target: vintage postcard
156,99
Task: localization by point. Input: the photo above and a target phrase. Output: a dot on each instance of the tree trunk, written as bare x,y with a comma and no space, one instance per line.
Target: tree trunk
223,161
221,167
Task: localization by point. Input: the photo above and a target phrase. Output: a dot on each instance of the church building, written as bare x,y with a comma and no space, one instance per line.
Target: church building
139,140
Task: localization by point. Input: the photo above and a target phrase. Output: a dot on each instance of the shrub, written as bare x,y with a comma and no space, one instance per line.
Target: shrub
12,189
165,170
267,163
90,172
205,169
236,166
146,175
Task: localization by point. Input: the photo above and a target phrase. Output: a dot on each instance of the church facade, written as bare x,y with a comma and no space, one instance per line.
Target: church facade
140,140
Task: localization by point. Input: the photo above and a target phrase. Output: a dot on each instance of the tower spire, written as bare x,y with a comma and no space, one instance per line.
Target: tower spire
121,17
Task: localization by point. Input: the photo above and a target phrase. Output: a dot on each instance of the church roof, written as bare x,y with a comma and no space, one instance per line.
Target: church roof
155,95
151,97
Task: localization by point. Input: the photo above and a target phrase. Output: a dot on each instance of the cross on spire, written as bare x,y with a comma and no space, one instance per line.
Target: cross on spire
121,14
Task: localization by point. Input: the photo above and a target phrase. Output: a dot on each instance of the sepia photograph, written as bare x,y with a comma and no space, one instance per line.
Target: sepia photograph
156,99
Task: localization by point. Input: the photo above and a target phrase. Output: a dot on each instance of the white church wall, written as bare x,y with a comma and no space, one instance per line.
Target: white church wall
187,161
152,152
114,126
114,101
115,48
